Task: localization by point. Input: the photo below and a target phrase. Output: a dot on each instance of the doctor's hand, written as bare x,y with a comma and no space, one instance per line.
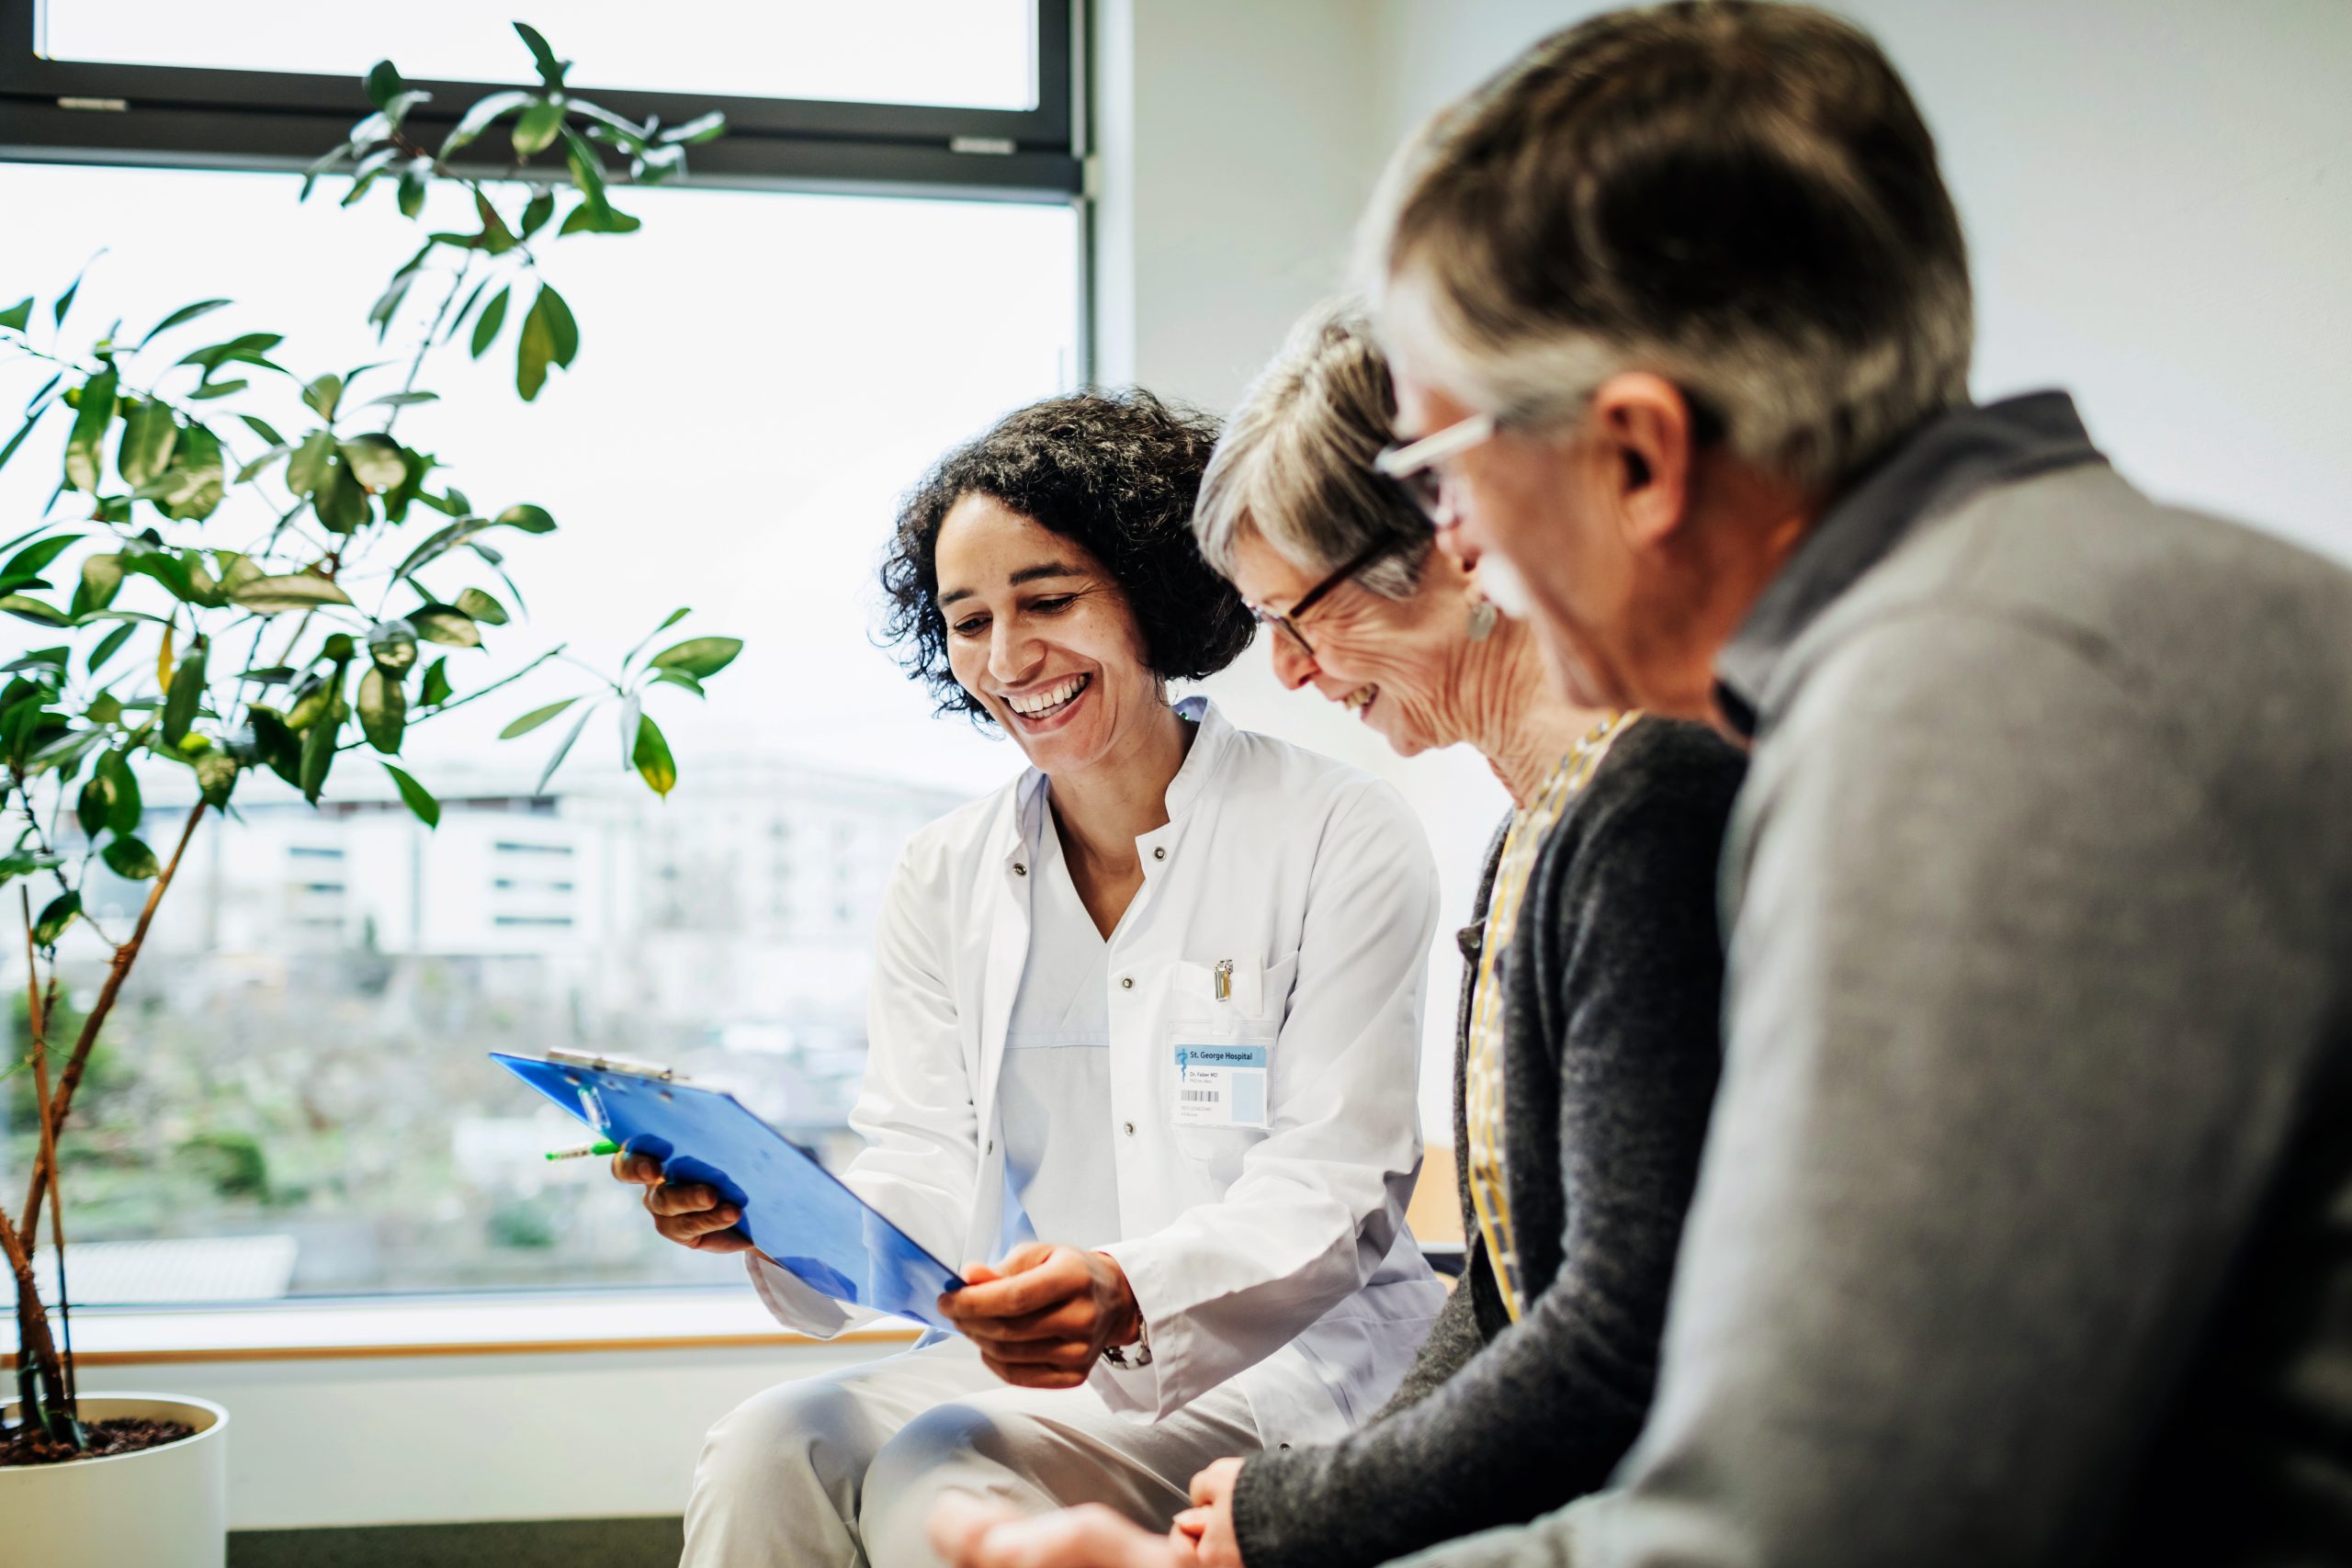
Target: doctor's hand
1043,1312
969,1533
687,1213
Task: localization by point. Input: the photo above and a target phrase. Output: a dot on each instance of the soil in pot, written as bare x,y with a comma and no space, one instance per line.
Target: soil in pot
124,1435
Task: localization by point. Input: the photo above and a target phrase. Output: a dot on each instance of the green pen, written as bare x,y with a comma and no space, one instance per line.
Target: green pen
601,1147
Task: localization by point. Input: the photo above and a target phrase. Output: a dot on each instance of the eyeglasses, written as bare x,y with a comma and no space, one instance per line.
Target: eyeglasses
1286,621
1414,463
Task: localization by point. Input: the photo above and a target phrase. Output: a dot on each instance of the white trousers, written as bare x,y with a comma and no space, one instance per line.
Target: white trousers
840,1470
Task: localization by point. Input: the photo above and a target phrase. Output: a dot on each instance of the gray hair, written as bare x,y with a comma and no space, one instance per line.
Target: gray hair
1740,197
1295,467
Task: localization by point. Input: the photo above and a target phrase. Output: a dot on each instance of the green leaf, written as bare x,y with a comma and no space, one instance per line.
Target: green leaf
264,429
680,678
586,219
276,743
445,625
91,806
33,610
312,464
533,719
550,69
261,464
528,518
318,744
383,709
403,400
66,300
377,461
276,595
101,580
436,690
564,750
653,758
478,118
481,607
91,418
22,431
392,645
124,806
149,433
383,83
533,349
496,237
535,130
416,798
536,214
411,198
18,315
342,504
695,132
562,327
216,777
700,657
587,174
130,860
323,394
185,694
111,644
494,316
180,317
30,561
58,915
192,487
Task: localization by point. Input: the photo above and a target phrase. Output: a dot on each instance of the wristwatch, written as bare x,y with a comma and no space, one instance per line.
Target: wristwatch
1131,1358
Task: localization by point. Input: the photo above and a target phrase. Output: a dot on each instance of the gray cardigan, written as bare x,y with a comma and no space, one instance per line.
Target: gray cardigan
2024,1233
1611,990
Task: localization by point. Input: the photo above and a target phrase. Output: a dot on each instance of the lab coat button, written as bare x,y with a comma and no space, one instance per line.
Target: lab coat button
1131,1129
1126,982
1019,870
1160,852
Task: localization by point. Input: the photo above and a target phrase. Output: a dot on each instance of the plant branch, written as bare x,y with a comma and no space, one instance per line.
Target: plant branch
36,1019
124,957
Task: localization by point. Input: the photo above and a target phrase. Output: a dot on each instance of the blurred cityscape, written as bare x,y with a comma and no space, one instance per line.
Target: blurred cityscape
292,1098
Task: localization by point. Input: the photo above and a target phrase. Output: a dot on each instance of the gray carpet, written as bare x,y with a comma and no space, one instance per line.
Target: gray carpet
559,1543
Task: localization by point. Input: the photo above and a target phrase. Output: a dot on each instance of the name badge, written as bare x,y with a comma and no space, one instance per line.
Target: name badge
1220,1086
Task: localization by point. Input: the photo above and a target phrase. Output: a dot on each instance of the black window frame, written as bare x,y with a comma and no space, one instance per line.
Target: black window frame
187,117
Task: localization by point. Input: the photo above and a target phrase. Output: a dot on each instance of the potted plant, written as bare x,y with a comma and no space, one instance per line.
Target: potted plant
220,595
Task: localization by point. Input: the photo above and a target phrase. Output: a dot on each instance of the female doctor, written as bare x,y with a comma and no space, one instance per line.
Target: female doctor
1144,1029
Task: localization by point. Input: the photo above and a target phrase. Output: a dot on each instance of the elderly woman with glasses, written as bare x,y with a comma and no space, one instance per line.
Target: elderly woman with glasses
1587,1048
1142,1031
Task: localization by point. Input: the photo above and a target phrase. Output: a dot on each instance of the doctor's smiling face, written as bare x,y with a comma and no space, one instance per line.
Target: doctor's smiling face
1040,636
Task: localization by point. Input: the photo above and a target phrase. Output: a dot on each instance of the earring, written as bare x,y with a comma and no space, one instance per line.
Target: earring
1482,619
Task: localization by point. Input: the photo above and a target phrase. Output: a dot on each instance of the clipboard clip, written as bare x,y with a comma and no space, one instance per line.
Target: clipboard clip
629,1066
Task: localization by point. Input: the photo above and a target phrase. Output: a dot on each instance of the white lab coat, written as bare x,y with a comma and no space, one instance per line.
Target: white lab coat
1278,1255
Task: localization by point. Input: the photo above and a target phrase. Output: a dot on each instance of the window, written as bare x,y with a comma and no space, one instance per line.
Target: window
321,987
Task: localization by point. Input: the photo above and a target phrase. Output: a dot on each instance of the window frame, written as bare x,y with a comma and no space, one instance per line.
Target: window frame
200,118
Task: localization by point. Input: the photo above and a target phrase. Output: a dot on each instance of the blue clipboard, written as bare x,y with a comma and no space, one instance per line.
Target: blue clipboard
794,1210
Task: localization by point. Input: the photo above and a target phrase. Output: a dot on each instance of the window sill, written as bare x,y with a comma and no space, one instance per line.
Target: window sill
360,1328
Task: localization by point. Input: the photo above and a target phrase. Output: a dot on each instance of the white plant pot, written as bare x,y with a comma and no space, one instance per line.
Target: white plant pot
165,1507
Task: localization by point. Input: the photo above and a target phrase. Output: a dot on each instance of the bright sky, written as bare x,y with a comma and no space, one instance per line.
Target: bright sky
760,376
967,52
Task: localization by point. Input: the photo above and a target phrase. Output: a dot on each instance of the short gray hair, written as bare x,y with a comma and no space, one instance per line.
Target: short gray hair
1741,198
1295,467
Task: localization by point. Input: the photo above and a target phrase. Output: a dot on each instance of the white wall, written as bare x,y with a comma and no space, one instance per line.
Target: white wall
2158,201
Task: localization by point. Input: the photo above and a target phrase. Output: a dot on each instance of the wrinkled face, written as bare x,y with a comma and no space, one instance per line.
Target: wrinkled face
1391,660
1545,502
1041,635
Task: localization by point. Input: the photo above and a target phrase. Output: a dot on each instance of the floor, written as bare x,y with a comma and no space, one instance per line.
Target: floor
560,1543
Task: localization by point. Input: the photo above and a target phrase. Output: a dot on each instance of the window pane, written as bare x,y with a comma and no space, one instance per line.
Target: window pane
962,53
295,1086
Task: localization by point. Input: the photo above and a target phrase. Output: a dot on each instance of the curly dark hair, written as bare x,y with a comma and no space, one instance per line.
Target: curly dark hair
1118,472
